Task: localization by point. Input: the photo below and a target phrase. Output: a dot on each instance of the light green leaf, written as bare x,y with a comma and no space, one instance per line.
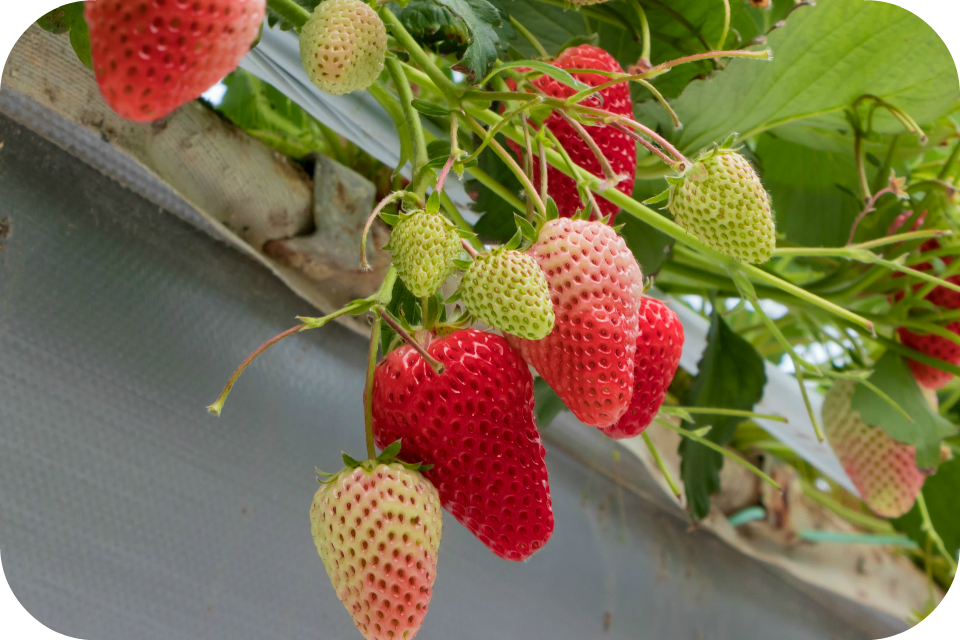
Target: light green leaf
892,375
826,56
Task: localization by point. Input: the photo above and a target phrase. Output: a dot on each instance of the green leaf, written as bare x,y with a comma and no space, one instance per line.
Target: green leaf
480,18
269,115
560,75
806,185
940,492
553,26
433,202
80,41
892,376
350,461
390,453
514,242
872,47
548,403
529,233
731,375
61,19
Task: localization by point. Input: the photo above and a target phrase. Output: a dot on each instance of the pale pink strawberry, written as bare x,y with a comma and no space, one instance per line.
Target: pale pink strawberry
883,470
595,286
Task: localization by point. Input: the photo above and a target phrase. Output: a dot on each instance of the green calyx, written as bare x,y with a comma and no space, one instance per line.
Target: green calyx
387,456
719,199
424,246
507,290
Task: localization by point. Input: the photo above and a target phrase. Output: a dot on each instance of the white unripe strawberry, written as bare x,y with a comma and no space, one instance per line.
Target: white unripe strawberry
342,46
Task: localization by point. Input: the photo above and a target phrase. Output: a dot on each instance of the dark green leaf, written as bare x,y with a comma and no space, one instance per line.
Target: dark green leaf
892,376
480,17
61,19
805,185
548,403
731,375
941,493
80,41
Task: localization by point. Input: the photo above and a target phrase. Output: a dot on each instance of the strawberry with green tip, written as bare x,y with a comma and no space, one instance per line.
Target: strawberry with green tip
343,46
595,286
507,290
721,201
377,527
424,246
883,470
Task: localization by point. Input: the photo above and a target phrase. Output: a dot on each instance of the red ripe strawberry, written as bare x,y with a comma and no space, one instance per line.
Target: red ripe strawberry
617,147
475,423
936,347
658,354
152,56
930,344
595,286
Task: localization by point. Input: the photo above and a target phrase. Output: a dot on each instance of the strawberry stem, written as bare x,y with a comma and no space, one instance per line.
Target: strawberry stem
368,388
217,406
290,11
410,340
662,465
469,248
418,142
927,528
393,197
611,177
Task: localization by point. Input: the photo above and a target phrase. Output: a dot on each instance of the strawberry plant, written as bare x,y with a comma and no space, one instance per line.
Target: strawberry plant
798,191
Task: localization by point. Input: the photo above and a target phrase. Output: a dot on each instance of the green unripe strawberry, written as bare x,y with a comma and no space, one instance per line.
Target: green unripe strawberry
377,529
720,200
508,291
424,246
342,46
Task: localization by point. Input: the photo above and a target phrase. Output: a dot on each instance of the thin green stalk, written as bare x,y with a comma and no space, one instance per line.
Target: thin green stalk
663,67
290,11
644,31
726,25
861,167
529,36
720,411
852,516
661,465
927,528
722,451
368,387
951,160
418,144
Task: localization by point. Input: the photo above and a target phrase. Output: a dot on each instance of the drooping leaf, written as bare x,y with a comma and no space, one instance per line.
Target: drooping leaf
892,376
872,48
941,493
731,375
